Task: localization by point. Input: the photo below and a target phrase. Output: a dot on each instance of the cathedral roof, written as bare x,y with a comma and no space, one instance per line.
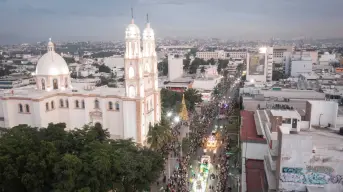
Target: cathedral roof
51,63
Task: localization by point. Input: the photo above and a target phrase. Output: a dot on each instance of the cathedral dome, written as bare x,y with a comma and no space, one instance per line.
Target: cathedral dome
51,63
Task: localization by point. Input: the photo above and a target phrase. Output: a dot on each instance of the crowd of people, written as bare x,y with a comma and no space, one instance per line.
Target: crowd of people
199,126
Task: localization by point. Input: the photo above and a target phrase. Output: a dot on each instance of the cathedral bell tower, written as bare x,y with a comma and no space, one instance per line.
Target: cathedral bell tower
134,82
150,67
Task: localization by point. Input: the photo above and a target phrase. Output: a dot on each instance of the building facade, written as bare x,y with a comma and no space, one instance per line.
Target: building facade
125,112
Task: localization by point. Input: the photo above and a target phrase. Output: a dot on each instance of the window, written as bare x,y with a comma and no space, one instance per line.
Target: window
83,104
77,104
110,105
61,103
286,121
117,106
66,82
96,104
27,108
55,83
47,106
43,84
67,103
20,108
52,105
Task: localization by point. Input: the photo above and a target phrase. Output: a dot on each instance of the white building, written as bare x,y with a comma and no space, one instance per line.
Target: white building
260,65
301,66
327,58
175,67
125,112
221,54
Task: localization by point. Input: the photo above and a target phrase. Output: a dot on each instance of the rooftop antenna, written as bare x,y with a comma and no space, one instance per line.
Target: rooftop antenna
132,21
147,18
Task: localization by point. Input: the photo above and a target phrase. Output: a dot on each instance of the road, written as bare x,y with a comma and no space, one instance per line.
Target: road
200,180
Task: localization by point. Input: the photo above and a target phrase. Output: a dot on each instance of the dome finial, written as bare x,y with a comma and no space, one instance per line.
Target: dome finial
132,20
147,21
50,45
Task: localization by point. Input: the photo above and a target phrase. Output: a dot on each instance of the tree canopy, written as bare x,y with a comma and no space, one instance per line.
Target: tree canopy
171,100
163,67
81,160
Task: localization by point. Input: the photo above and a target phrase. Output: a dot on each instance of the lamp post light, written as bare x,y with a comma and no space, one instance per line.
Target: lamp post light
169,114
176,119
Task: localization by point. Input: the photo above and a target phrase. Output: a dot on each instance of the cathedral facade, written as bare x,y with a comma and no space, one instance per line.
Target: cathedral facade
126,112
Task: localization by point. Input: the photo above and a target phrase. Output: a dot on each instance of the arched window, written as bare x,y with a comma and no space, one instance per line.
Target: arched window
96,104
20,108
131,72
52,105
67,103
47,106
77,104
150,104
27,108
61,103
55,83
66,82
83,104
110,105
43,84
117,106
132,91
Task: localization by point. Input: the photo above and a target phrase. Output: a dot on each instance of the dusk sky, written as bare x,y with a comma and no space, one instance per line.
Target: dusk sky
33,20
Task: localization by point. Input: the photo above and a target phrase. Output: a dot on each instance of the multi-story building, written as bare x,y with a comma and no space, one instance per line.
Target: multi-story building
220,54
302,149
260,65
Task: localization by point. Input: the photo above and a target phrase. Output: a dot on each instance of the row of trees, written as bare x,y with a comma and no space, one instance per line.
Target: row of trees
81,160
171,100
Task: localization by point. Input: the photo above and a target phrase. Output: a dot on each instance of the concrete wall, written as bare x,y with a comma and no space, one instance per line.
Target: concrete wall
299,167
299,67
323,113
175,68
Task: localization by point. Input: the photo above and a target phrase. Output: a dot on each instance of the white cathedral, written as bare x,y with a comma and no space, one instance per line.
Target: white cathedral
125,112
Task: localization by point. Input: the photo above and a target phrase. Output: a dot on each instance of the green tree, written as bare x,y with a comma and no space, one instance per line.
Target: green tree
202,70
162,67
222,64
105,69
186,64
81,160
192,97
159,135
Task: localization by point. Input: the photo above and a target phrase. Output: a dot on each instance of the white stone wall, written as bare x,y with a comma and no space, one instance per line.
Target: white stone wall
113,120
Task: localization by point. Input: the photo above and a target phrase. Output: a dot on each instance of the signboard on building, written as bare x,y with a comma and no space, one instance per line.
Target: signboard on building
257,64
339,70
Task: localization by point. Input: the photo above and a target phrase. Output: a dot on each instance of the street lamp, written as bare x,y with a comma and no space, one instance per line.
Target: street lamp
169,114
177,119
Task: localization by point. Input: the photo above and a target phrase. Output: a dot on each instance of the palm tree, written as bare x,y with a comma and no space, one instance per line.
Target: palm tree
159,135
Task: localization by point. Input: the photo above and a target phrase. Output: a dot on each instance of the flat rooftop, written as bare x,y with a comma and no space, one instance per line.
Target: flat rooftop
250,104
255,175
286,113
328,143
248,129
30,92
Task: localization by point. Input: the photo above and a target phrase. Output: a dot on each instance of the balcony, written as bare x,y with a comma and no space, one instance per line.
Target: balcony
271,161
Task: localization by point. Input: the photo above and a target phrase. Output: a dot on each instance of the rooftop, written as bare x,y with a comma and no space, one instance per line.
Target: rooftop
248,128
327,142
31,92
286,113
255,175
